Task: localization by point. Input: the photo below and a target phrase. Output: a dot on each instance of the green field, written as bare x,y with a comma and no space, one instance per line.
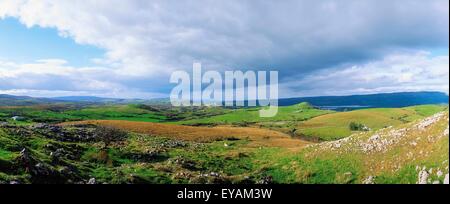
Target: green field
62,114
153,158
149,159
302,119
123,112
299,112
322,125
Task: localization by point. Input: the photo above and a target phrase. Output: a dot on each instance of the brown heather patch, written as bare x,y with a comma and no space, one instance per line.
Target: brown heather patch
257,137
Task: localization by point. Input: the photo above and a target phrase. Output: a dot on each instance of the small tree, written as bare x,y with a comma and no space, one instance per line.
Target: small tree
108,135
353,126
358,127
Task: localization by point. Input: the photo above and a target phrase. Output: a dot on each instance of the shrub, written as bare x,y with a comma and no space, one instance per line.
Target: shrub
358,127
108,135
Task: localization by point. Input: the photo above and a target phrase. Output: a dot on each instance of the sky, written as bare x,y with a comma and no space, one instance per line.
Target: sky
128,49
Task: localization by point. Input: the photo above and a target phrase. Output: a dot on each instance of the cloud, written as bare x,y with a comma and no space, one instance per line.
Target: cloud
53,77
146,40
398,72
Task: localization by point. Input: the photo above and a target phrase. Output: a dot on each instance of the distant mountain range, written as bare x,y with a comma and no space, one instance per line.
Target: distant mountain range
9,100
94,99
385,100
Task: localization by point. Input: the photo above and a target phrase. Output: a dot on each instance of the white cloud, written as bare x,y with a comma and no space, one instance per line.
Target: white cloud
146,40
52,77
395,73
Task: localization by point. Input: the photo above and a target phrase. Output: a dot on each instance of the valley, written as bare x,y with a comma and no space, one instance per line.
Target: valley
77,143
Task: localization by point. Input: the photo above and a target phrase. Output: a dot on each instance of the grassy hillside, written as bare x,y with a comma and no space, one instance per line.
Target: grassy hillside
336,125
9,100
61,113
36,154
392,155
117,112
299,112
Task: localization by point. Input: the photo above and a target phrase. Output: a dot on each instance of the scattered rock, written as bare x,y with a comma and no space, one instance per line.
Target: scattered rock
65,170
14,182
39,126
369,180
337,145
374,137
58,154
429,121
62,134
182,175
439,173
423,177
265,180
184,163
173,144
150,156
92,181
41,169
214,174
209,178
383,139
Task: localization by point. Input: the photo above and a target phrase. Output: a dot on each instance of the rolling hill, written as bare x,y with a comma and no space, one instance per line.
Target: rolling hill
243,116
415,152
336,125
60,113
9,100
94,99
412,153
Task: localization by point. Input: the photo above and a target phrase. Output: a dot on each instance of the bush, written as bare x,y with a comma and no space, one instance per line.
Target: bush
109,135
241,124
358,127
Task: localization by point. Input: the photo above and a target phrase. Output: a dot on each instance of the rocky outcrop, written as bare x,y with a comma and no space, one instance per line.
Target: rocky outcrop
62,134
369,180
382,140
423,177
416,137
